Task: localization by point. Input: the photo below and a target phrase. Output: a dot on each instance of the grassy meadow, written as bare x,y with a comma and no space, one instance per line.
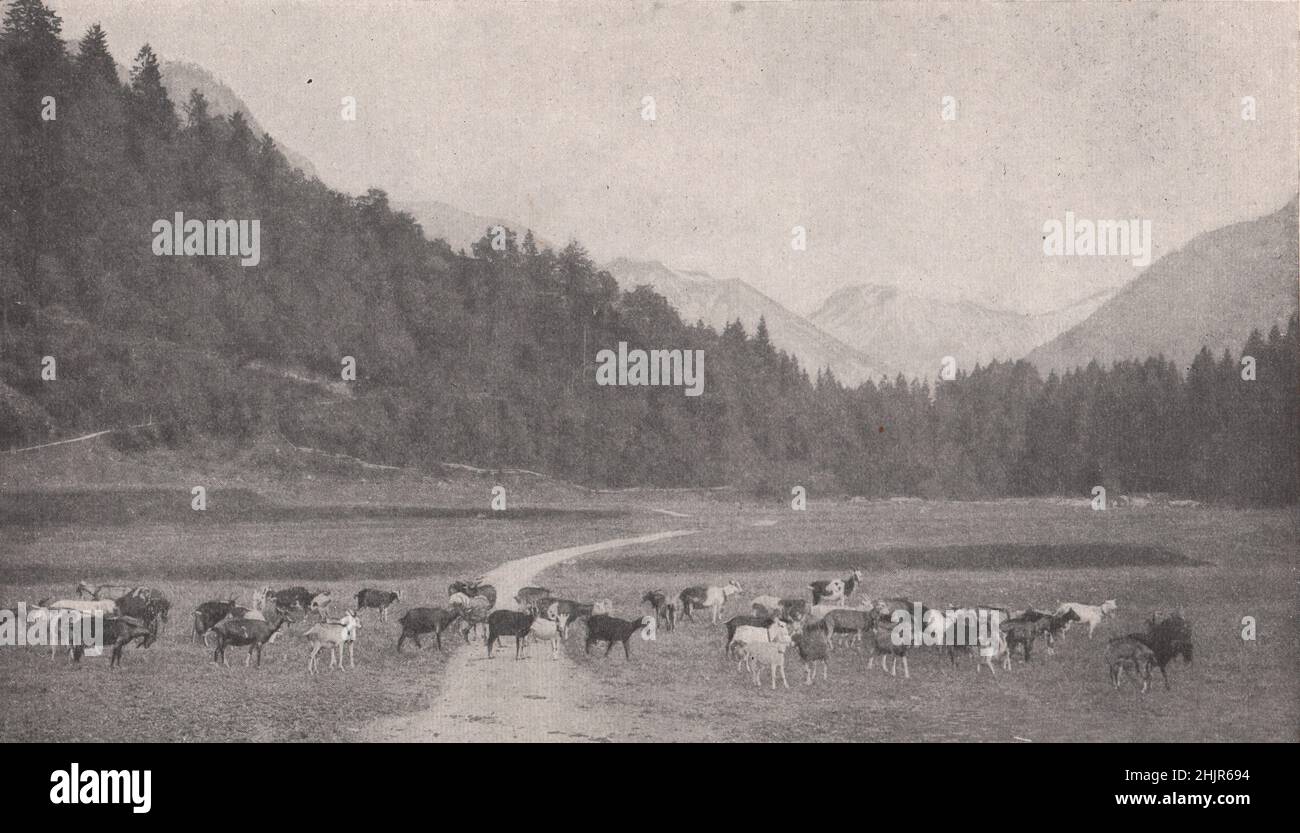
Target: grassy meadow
1217,565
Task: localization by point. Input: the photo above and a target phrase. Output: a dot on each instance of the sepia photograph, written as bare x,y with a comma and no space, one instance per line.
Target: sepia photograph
649,372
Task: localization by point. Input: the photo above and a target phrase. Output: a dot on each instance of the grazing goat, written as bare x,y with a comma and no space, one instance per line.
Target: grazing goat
473,612
847,620
337,635
508,623
776,631
120,631
253,633
791,610
1167,639
1053,625
574,610
1090,614
602,628
835,590
665,610
883,646
529,596
967,629
208,614
422,620
472,589
552,628
714,599
1129,655
379,599
771,654
735,623
794,610
993,646
1022,633
814,647
146,604
299,599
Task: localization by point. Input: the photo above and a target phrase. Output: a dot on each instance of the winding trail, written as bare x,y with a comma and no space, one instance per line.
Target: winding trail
533,700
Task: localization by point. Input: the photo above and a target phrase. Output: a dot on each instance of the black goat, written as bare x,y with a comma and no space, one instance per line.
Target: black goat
379,599
210,613
508,623
421,620
254,633
120,631
814,647
665,611
1167,639
692,598
1023,633
602,628
1051,624
300,599
148,605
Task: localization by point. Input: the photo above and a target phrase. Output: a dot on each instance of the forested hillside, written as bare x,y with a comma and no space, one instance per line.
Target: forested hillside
488,358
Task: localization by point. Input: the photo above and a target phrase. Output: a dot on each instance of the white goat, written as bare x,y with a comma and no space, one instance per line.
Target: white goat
1090,614
108,607
994,646
749,634
716,598
551,629
337,634
771,654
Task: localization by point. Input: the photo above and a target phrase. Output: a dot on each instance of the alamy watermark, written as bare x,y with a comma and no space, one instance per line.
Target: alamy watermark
179,236
682,368
110,786
53,627
1076,237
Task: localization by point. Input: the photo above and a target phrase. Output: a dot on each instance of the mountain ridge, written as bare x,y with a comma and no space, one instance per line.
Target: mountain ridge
1224,282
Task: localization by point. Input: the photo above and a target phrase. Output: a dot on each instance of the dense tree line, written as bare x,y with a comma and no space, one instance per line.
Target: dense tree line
487,357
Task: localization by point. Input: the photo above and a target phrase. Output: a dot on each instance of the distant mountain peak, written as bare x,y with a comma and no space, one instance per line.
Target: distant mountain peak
698,296
1211,292
912,333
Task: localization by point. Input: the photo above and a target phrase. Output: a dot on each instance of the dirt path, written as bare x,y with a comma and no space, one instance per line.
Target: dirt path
531,700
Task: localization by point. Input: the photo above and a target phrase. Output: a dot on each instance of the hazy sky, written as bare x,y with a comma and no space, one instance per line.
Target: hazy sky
775,115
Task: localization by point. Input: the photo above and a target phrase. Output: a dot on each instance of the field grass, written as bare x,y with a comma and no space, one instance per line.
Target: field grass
1234,691
1217,565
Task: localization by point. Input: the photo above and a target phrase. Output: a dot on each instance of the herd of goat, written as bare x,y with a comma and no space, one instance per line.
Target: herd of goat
755,640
